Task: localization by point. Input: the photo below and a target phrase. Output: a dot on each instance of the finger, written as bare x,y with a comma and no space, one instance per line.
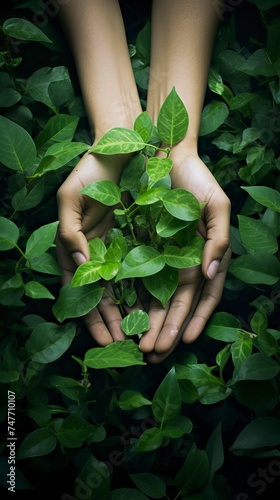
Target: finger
179,309
104,322
157,315
207,302
217,221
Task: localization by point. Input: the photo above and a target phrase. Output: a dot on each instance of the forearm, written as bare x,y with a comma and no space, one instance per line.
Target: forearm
183,33
97,38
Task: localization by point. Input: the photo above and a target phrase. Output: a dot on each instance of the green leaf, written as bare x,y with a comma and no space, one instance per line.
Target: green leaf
213,116
194,472
150,484
9,97
261,432
188,256
182,204
257,64
107,192
67,386
86,273
93,481
36,290
157,168
37,85
73,431
59,155
24,200
129,400
258,366
173,120
117,141
9,234
135,323
59,128
49,341
169,225
150,440
163,284
36,444
74,302
223,326
264,195
215,451
141,261
17,149
256,269
45,263
24,30
143,125
167,401
41,239
119,354
258,395
256,236
177,427
240,350
241,100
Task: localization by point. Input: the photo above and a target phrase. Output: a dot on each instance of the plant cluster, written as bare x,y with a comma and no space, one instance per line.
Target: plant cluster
100,421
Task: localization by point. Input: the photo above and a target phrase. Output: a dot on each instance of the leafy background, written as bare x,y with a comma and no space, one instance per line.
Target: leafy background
204,424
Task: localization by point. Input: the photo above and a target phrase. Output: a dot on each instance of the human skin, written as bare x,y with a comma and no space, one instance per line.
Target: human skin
182,37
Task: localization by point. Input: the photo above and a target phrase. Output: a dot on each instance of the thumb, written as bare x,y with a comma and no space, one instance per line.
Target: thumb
217,221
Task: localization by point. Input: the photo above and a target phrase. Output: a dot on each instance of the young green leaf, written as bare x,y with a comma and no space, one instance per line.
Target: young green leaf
107,192
17,148
183,258
193,474
141,261
150,484
37,443
173,119
86,273
119,354
167,400
143,125
24,30
182,204
49,341
157,168
256,236
41,239
223,326
150,440
264,195
74,302
135,323
163,284
213,116
59,128
59,155
129,400
36,290
119,141
9,234
260,268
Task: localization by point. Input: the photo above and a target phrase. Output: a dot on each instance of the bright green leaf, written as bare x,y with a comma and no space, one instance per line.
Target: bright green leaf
135,323
119,140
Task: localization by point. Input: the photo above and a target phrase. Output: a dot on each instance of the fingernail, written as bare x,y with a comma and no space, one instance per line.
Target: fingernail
212,269
79,258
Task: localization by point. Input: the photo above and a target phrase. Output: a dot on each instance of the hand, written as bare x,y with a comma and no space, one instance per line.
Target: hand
200,288
80,219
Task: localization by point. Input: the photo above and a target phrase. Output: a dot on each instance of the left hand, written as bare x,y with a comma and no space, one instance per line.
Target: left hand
200,287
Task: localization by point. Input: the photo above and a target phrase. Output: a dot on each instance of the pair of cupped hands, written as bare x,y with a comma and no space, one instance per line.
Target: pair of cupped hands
200,288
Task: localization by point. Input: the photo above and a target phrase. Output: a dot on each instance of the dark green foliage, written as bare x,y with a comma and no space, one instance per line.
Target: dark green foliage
101,423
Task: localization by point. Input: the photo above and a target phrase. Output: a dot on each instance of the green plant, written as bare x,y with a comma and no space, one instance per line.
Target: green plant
205,422
156,231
